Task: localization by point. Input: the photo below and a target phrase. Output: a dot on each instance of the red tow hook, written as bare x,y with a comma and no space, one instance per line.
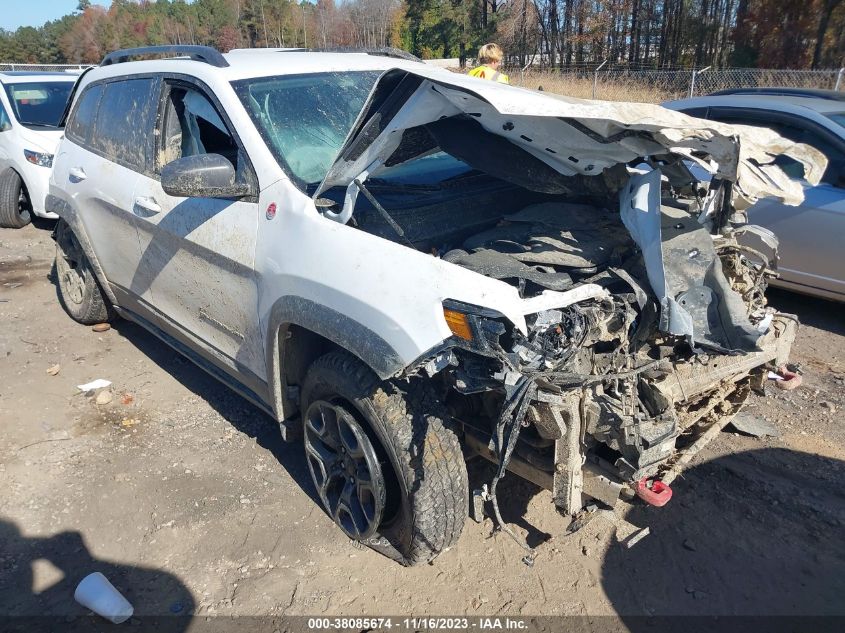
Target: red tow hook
657,495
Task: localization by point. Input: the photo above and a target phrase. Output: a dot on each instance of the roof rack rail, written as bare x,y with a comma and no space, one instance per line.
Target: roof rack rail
205,54
379,52
815,93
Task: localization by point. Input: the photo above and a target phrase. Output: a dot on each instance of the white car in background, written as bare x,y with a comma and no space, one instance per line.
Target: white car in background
31,105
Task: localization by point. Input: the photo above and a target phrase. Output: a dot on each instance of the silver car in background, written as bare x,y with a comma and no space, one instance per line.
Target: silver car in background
811,235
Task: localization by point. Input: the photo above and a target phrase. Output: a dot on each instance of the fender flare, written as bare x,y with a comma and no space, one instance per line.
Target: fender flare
347,333
67,213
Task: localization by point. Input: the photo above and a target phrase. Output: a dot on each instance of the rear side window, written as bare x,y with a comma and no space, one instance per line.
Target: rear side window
82,118
122,128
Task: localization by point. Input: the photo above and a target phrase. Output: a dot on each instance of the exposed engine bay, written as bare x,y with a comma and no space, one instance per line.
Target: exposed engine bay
614,395
646,324
621,385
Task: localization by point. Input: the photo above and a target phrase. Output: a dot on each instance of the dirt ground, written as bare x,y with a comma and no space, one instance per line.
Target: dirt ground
185,496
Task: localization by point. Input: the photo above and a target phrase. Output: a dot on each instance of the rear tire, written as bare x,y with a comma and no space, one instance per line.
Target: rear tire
79,291
14,206
424,475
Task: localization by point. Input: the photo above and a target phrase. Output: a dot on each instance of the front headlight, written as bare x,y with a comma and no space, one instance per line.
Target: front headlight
38,158
473,327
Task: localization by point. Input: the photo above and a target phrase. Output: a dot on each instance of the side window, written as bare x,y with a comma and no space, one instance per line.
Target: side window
835,156
192,126
759,119
699,113
82,118
5,124
122,128
790,167
835,172
794,131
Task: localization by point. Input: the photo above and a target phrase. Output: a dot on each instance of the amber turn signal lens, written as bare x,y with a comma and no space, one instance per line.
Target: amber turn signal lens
458,323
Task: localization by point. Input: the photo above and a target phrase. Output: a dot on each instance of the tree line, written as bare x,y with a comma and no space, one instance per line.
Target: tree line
553,33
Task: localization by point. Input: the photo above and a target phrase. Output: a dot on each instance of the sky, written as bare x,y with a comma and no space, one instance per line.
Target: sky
15,13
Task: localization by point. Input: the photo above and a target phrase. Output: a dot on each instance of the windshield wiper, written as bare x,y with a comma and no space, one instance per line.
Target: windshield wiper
384,214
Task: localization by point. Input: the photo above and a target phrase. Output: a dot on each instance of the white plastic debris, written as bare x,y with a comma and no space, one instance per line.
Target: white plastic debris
510,378
100,383
774,376
765,322
547,318
96,593
636,538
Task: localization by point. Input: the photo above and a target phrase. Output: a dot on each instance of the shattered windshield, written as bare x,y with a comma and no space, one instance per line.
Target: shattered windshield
304,119
41,103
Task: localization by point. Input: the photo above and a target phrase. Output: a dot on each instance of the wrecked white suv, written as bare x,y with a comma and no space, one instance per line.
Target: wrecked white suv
405,266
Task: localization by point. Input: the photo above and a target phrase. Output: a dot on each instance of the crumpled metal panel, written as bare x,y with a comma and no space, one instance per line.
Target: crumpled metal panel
685,273
574,136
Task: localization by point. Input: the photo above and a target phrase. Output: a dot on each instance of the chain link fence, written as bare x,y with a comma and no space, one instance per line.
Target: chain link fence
616,83
71,68
656,86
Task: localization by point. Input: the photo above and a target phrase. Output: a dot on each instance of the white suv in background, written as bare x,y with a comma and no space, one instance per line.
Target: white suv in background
31,105
402,265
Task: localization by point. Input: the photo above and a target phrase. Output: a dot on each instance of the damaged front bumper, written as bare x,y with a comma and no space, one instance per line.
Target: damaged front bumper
610,433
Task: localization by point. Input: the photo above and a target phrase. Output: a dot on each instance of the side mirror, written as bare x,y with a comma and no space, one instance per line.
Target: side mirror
202,176
4,124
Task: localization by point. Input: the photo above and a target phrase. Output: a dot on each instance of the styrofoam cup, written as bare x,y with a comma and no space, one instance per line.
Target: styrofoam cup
98,594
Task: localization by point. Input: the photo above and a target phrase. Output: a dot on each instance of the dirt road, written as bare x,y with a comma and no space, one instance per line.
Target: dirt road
186,497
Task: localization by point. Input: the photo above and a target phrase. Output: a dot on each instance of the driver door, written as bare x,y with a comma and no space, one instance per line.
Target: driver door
197,254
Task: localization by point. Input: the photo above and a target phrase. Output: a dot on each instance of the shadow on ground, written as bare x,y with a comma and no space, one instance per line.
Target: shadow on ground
514,495
23,606
751,533
819,313
43,224
237,411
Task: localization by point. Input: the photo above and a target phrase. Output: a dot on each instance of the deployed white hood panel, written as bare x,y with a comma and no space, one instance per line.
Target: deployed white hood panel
573,136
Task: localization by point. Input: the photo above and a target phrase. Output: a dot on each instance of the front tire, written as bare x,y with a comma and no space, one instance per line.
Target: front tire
79,291
419,493
14,206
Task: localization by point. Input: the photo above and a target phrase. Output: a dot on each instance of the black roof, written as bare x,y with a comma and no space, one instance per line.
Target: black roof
205,54
814,93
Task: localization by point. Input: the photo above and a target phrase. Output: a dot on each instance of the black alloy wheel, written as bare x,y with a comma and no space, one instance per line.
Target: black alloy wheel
345,469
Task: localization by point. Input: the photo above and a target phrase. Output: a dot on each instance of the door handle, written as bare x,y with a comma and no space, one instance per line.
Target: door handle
76,174
147,204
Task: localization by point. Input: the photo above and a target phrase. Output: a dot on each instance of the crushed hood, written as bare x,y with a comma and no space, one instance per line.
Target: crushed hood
537,139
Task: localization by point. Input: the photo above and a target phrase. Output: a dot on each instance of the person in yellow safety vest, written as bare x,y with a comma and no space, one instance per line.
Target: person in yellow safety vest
489,60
